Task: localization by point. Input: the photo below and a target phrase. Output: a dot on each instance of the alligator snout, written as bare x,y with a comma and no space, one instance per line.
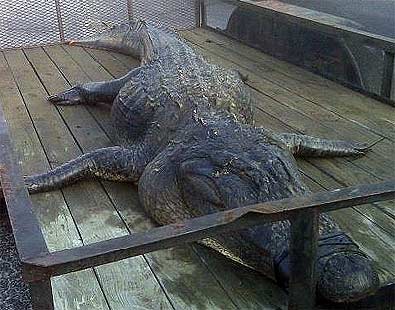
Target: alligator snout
344,273
347,277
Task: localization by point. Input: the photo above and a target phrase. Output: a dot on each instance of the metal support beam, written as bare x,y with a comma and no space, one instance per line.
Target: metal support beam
388,74
163,237
303,252
312,20
60,21
130,9
202,13
41,295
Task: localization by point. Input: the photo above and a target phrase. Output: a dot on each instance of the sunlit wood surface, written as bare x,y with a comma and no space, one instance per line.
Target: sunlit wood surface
287,99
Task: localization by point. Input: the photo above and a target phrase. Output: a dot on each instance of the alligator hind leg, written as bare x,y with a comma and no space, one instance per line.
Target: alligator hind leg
92,93
111,163
302,145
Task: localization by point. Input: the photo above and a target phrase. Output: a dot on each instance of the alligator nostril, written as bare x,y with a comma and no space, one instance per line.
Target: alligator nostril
347,277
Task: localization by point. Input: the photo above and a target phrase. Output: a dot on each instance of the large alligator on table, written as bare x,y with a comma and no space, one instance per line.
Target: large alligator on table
185,133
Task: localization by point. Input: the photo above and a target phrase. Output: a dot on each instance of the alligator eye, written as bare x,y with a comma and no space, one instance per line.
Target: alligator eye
196,176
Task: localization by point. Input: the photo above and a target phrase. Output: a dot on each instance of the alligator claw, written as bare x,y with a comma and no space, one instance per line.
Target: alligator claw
55,98
361,147
356,148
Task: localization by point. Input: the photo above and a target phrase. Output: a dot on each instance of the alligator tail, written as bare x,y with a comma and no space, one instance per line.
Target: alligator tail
126,38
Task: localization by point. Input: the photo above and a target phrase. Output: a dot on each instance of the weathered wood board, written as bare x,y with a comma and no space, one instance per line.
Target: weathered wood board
189,277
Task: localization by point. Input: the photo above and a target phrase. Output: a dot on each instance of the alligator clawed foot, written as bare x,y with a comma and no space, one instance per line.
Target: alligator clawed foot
69,97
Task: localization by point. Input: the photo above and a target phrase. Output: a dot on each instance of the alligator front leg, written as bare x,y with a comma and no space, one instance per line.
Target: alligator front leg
92,93
112,163
302,145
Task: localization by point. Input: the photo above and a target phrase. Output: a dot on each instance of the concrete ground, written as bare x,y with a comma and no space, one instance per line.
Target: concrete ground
14,294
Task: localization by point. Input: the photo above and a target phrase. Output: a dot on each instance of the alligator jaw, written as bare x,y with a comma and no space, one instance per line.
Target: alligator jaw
347,277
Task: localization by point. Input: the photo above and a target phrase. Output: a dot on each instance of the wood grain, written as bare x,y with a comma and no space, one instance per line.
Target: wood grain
288,98
93,210
56,221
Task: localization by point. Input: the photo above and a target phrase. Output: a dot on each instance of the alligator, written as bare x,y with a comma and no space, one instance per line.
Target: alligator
184,133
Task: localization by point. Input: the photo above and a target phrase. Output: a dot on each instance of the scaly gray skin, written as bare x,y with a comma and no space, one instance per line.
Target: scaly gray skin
185,133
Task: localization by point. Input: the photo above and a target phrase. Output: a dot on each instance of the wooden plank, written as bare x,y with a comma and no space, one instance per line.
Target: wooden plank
170,267
56,221
314,89
26,230
127,61
245,290
106,222
112,63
